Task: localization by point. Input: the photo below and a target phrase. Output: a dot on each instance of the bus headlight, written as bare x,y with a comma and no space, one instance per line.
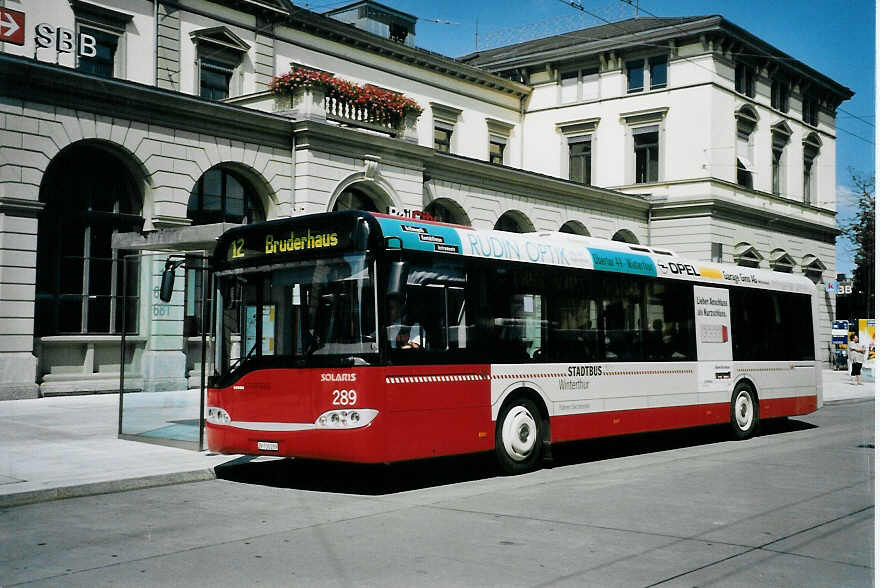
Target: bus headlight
346,419
217,416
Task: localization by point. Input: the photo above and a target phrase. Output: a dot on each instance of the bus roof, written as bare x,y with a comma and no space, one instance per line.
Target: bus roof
326,233
576,251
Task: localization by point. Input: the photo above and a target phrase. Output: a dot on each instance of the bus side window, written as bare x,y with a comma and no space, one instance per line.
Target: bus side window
434,309
456,318
622,304
669,331
574,323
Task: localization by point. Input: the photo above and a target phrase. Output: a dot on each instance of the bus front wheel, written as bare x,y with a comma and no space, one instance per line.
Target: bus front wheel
518,436
743,412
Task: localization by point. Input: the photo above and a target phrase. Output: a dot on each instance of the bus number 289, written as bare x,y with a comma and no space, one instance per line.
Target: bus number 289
344,397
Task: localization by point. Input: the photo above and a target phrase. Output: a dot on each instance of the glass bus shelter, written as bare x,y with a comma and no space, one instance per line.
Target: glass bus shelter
165,349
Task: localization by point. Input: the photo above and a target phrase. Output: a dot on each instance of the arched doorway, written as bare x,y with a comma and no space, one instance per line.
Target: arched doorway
514,221
89,194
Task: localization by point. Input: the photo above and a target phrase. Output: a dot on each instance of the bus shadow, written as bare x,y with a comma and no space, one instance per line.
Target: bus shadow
368,480
591,450
377,480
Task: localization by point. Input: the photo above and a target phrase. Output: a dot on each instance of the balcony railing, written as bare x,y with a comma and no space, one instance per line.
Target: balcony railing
306,93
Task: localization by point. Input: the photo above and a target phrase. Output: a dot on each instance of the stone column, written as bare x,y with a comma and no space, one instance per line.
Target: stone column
18,276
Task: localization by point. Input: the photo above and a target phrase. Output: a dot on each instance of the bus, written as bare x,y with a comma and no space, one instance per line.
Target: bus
370,338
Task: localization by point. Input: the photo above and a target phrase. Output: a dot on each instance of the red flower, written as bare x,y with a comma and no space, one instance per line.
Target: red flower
379,103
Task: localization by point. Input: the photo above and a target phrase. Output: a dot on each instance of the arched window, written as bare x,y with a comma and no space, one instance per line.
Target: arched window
812,146
80,277
223,196
625,236
353,198
574,228
220,196
513,222
746,122
447,211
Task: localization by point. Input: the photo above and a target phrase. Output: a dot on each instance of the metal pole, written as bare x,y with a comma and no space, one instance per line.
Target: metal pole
204,353
122,343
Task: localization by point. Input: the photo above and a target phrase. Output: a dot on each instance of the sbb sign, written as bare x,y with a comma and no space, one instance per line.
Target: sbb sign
64,40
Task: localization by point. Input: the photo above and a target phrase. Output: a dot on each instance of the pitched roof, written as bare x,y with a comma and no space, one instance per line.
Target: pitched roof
637,32
584,37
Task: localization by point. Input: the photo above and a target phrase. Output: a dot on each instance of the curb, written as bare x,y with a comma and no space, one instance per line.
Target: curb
107,487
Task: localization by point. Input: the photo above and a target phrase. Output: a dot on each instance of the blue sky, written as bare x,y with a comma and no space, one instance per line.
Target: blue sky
834,38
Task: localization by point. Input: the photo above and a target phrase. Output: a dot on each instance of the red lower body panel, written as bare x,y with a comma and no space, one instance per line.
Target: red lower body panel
423,411
643,420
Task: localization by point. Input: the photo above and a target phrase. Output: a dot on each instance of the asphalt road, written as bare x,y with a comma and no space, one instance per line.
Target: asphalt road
792,507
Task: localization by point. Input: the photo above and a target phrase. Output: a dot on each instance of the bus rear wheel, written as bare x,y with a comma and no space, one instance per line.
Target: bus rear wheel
519,436
743,412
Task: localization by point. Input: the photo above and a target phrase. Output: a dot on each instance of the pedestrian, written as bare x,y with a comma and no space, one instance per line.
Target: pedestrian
857,357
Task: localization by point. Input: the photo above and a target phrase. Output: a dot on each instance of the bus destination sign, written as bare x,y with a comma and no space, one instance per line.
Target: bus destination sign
281,241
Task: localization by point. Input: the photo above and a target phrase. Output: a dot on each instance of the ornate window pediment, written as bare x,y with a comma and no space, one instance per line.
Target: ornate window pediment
746,255
812,263
782,261
220,53
220,37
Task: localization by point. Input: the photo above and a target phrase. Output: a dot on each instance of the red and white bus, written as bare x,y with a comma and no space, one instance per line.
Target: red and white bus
371,338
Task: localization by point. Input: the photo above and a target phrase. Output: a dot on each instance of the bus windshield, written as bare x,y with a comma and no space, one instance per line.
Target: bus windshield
315,312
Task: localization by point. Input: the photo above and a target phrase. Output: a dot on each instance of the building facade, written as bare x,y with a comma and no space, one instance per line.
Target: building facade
149,126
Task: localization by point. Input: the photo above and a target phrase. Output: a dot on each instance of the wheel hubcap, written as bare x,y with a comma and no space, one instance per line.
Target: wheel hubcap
744,410
519,433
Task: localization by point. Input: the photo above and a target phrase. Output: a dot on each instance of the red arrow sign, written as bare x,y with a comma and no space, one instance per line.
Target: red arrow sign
11,26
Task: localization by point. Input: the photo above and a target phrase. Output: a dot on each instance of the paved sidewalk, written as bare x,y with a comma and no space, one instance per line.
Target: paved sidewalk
63,447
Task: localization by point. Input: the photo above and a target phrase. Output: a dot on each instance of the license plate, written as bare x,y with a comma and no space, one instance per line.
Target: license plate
267,445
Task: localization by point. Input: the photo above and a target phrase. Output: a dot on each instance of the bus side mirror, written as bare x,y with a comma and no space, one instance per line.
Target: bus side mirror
166,290
397,271
361,235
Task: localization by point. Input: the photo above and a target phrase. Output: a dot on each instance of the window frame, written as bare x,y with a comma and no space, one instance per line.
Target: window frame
746,125
745,79
219,50
646,149
497,157
90,17
445,119
780,95
635,66
812,150
580,76
215,67
586,156
443,142
810,111
647,66
85,220
252,207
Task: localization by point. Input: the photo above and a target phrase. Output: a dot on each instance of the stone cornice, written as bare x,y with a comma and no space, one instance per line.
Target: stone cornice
34,81
742,214
462,170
